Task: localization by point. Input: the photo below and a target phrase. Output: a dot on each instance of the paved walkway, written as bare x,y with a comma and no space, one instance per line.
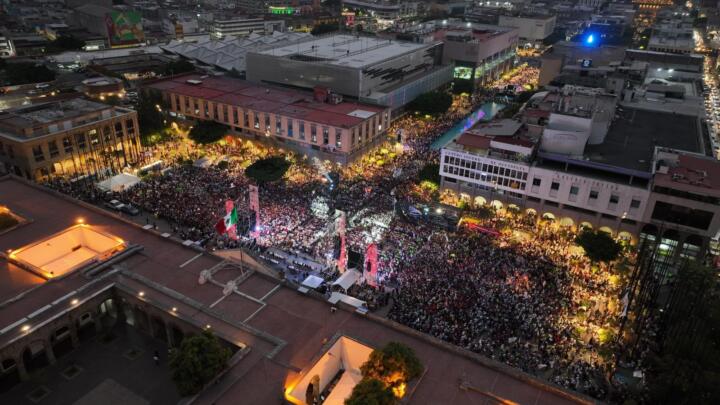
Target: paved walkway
118,370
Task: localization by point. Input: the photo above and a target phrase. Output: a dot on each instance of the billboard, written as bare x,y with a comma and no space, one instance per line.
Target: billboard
124,28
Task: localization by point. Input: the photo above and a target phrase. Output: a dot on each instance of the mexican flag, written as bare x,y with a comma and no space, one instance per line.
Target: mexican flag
228,223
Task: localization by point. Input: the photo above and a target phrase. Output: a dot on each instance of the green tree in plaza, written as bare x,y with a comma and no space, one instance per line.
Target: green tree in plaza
430,173
269,169
371,391
150,118
599,246
198,360
433,103
394,364
206,132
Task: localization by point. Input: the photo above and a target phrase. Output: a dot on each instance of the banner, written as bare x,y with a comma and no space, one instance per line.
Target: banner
124,28
370,271
232,231
341,226
255,206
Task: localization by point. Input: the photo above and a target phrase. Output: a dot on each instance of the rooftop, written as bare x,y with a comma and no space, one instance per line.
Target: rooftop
631,140
291,103
696,173
285,330
229,53
345,50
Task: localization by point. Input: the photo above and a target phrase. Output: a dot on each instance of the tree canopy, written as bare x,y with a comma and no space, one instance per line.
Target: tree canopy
27,72
198,360
206,132
269,169
430,173
176,67
393,365
433,103
67,43
150,119
371,392
324,29
598,245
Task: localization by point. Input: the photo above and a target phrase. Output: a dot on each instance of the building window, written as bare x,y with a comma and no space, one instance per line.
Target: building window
94,139
246,120
338,138
10,152
301,127
267,122
2,149
278,125
130,125
574,190
537,182
614,199
67,144
53,148
554,186
290,128
38,153
313,133
256,121
236,120
219,112
593,195
634,203
326,135
80,140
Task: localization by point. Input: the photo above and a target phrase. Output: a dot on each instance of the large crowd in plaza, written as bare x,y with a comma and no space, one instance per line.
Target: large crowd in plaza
532,302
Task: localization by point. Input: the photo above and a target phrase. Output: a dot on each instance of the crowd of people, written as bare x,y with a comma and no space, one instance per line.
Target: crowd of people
533,302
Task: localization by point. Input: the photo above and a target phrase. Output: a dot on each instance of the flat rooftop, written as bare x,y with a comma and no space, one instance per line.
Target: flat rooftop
631,140
286,331
40,116
345,50
263,98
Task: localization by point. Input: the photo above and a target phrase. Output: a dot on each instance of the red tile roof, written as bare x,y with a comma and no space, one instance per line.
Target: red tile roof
273,100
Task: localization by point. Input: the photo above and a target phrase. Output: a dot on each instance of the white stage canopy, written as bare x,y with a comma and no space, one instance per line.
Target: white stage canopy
347,279
336,296
312,282
122,181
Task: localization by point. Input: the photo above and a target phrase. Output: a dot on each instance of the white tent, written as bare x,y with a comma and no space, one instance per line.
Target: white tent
336,296
347,279
122,181
312,282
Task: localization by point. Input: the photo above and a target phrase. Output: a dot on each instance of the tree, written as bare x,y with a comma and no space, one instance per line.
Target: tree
371,392
7,221
598,245
198,360
324,29
176,67
394,365
206,132
150,118
430,173
269,169
27,72
67,43
433,103
463,86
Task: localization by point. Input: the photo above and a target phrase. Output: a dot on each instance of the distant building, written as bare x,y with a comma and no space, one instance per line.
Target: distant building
318,124
531,29
373,70
246,26
72,138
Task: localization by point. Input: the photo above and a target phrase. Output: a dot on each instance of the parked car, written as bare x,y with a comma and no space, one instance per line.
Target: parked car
129,209
114,205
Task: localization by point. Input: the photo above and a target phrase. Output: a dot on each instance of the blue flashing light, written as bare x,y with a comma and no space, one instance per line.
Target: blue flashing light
590,39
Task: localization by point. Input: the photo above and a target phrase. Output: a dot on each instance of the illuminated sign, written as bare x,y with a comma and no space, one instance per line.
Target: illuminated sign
282,10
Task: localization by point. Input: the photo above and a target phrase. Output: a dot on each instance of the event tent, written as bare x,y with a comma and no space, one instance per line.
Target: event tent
122,181
336,296
347,279
312,281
